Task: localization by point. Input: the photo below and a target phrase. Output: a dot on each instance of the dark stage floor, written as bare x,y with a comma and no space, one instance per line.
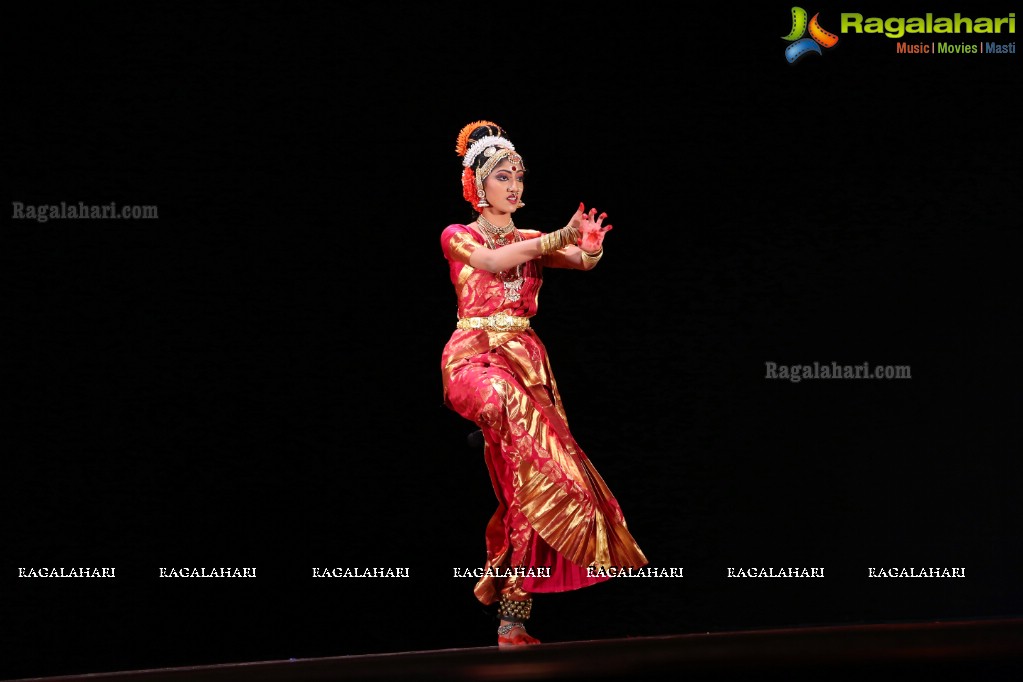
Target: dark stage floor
968,650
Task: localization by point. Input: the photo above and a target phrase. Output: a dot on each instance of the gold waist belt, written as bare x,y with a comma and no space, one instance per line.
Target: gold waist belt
498,322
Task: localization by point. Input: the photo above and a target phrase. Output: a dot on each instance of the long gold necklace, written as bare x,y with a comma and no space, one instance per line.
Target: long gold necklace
499,236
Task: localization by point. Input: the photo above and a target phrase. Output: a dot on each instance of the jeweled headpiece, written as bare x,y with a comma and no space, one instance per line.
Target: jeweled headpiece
482,145
488,145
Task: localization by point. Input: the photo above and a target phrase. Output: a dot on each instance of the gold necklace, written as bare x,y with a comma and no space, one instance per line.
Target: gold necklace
499,236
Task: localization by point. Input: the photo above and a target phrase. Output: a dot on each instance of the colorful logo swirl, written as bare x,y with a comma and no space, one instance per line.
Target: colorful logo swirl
801,46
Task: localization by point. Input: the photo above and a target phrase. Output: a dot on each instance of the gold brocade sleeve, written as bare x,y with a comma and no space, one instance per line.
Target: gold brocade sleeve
461,247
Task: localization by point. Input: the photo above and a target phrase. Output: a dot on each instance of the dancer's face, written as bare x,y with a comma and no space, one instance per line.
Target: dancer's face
504,185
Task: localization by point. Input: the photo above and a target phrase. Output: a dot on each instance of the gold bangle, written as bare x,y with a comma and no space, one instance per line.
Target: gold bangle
545,244
593,257
557,240
572,234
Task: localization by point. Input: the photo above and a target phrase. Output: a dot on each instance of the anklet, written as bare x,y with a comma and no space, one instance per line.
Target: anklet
505,629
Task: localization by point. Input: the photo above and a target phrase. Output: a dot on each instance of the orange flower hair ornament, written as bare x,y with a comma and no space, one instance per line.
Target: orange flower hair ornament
462,144
469,188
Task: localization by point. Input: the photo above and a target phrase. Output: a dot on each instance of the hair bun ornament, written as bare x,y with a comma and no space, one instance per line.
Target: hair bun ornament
462,144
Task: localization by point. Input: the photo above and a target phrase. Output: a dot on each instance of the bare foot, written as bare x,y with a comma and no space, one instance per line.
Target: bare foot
514,634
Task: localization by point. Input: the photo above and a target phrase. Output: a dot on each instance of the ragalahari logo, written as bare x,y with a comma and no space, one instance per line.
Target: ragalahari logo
801,46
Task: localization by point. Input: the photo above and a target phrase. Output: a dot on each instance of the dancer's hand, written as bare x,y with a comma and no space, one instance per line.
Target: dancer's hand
592,228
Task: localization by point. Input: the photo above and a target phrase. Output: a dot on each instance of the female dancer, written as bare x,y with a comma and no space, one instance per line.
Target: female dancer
557,523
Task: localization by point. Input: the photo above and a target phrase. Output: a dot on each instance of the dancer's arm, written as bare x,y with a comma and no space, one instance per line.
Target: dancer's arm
510,255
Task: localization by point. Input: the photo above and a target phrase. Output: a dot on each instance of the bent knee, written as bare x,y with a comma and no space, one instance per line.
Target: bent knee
486,400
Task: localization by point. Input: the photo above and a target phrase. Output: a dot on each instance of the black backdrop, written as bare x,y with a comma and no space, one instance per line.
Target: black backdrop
253,378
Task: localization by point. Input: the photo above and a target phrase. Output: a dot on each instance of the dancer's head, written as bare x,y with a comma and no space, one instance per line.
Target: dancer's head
492,170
